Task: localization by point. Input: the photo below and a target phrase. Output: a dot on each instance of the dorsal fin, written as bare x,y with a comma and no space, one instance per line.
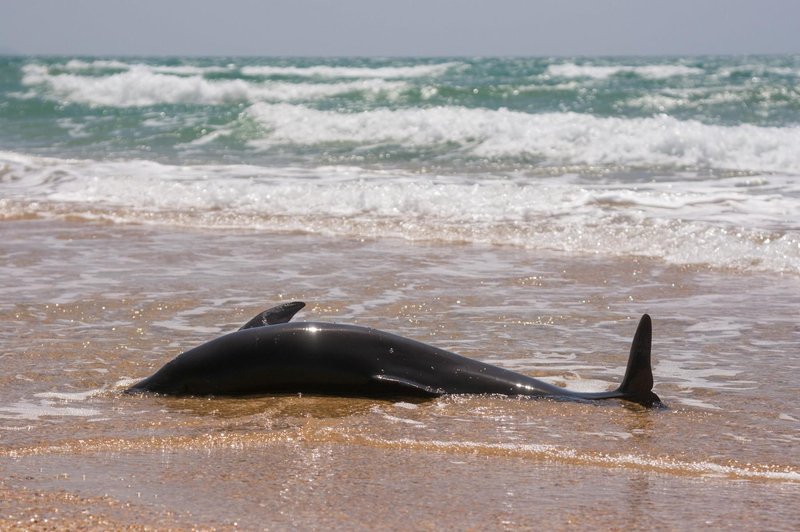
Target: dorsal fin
279,314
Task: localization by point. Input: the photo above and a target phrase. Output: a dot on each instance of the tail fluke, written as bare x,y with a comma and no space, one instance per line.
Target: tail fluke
637,385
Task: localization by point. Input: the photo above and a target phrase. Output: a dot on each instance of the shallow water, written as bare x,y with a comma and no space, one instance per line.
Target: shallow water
86,308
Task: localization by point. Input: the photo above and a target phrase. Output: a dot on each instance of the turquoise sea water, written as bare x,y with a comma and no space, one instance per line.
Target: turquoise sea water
690,160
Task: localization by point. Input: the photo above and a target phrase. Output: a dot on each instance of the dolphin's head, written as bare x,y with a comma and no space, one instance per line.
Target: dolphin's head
166,381
233,364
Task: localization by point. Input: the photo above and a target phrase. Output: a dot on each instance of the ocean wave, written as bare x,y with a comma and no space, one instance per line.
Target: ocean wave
757,70
553,138
764,99
317,71
79,65
728,223
572,70
328,71
693,99
141,86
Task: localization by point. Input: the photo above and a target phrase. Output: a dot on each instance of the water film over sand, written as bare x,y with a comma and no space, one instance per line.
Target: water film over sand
88,307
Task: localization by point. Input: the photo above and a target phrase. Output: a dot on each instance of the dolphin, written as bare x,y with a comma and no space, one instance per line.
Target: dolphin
270,355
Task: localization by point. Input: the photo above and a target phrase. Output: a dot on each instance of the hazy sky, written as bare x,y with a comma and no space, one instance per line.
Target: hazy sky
399,27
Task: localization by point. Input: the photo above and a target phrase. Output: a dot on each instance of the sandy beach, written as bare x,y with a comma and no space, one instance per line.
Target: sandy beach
87,308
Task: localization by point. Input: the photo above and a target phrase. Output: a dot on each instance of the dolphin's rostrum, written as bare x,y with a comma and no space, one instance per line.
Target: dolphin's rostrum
269,355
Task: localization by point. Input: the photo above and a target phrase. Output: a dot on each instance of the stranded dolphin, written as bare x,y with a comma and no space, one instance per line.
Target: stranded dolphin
269,355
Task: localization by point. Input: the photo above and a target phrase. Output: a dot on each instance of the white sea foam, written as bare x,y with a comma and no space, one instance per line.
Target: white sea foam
691,98
70,396
52,404
317,71
187,70
701,99
143,85
572,70
28,410
758,69
732,223
78,65
696,403
326,71
557,138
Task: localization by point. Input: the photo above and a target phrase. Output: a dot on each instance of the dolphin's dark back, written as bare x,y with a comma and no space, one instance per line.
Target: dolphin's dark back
324,358
274,359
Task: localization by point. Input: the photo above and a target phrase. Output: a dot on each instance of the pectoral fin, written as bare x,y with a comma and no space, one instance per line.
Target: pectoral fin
408,386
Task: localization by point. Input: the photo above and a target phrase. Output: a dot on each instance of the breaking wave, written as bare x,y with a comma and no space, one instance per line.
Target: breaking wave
735,222
141,86
552,138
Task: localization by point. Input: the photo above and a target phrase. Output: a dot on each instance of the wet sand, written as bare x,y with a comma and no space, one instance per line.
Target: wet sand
87,308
